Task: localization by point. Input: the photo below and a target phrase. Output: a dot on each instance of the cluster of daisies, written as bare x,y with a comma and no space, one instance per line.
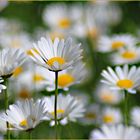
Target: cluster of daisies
23,82
53,56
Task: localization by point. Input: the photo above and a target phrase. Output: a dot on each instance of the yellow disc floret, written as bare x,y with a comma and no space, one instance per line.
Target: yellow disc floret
64,23
59,111
23,123
117,44
108,119
59,60
17,71
37,78
129,55
65,80
125,83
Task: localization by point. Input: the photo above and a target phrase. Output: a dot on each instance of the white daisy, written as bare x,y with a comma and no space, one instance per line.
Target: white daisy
111,116
92,115
122,78
118,132
135,116
2,87
67,78
59,16
68,108
57,55
10,59
107,96
126,55
107,44
25,114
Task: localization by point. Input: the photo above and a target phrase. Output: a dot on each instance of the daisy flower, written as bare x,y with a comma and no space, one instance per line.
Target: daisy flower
92,115
135,116
119,132
59,16
57,55
111,116
105,95
25,114
126,55
67,78
10,60
116,42
122,78
68,108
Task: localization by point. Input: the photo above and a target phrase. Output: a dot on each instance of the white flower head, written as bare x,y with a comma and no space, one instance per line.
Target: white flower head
122,78
105,95
68,77
10,59
68,108
111,116
25,114
126,55
116,42
57,55
92,115
135,116
119,132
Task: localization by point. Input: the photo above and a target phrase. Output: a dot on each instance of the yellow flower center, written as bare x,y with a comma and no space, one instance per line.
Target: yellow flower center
129,55
17,71
90,115
125,83
59,60
107,98
38,78
29,52
64,23
15,43
24,94
108,119
59,111
23,123
65,80
118,44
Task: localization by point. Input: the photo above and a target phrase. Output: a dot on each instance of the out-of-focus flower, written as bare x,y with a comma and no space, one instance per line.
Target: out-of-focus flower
68,108
25,114
119,132
111,116
106,14
3,4
122,78
59,16
91,115
57,55
135,116
116,42
2,87
126,55
10,60
8,26
107,96
67,78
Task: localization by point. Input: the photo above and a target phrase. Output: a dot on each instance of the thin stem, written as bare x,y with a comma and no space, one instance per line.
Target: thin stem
125,107
30,134
55,103
6,106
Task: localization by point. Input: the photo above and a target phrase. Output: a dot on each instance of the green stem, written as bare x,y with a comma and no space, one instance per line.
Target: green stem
126,107
55,103
30,134
6,105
